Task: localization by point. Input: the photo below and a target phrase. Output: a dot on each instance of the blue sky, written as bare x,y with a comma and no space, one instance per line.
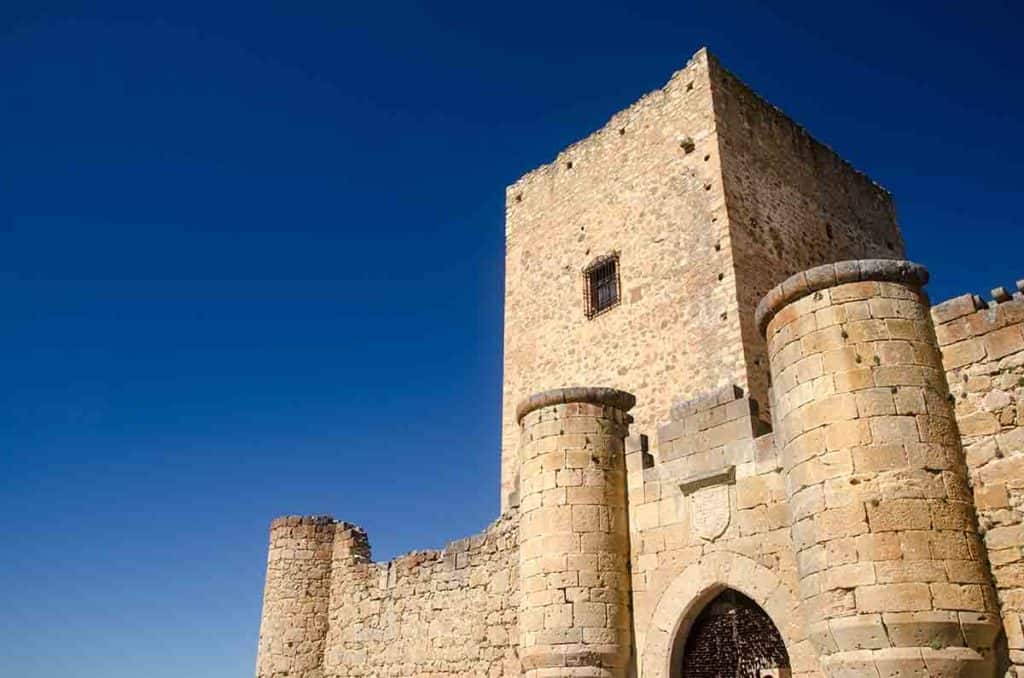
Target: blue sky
251,264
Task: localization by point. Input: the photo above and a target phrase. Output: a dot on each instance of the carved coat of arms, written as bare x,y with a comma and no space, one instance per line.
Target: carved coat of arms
709,511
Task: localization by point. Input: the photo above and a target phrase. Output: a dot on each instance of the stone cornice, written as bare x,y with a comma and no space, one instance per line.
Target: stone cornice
596,395
818,278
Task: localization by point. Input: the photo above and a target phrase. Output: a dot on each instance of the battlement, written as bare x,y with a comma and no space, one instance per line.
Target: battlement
969,329
706,424
965,304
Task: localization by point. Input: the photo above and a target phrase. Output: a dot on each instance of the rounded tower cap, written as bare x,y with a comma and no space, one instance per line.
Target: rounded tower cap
596,395
802,284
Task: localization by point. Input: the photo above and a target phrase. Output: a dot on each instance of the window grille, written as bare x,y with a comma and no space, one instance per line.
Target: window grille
602,285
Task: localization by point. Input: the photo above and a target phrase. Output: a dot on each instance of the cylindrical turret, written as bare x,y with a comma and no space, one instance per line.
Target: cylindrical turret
574,539
295,601
892,573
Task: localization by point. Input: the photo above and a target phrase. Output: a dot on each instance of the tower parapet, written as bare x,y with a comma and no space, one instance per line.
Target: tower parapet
891,568
574,540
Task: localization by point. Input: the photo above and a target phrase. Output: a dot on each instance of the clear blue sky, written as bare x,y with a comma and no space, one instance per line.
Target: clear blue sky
251,264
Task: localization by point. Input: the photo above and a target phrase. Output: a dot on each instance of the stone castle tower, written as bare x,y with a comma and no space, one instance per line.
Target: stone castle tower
738,440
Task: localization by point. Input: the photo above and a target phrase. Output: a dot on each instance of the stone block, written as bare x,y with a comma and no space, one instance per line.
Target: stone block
909,571
859,632
1005,537
962,353
1003,342
849,576
954,308
978,424
899,514
751,492
893,598
558,616
590,615
932,628
957,597
871,458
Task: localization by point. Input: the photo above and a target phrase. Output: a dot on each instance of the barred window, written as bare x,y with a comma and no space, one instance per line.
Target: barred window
601,282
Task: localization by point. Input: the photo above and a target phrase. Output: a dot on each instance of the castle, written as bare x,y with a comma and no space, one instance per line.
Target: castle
738,440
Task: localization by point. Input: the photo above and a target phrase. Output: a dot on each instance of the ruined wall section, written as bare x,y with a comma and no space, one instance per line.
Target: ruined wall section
428,613
714,502
983,354
792,204
646,186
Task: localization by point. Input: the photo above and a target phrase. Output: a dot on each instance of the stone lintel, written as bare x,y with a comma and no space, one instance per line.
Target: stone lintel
720,476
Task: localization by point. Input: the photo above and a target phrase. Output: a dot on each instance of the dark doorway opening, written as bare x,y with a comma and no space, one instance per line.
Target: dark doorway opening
733,637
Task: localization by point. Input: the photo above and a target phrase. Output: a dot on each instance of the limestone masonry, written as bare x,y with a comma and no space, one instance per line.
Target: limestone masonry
738,440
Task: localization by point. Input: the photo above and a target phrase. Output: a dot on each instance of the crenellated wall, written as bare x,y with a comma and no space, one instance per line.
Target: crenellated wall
983,353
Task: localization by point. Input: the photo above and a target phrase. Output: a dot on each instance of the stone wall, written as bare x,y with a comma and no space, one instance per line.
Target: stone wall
330,612
983,353
710,513
637,188
792,204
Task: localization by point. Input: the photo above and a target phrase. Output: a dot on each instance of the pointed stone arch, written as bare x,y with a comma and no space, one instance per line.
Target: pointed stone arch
692,589
731,636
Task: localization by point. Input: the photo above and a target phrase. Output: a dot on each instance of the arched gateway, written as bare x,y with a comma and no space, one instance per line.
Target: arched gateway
731,637
720,582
